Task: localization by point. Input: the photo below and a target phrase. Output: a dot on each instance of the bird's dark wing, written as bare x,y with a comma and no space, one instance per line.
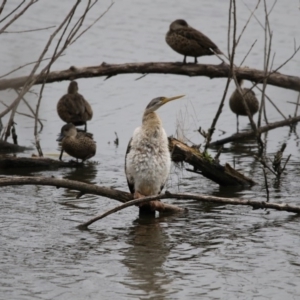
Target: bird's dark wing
204,41
82,134
130,181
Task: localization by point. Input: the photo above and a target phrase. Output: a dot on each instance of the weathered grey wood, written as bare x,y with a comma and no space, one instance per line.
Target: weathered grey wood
6,147
223,175
247,134
7,162
109,70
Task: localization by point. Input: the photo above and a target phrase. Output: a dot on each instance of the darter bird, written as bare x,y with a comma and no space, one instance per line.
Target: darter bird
188,41
237,105
77,144
148,159
73,108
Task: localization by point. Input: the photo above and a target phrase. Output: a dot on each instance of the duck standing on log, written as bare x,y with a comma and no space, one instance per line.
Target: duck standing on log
237,105
148,159
188,41
77,144
73,108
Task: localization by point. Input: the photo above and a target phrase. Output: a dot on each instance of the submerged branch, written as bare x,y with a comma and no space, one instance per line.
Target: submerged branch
127,197
204,198
109,70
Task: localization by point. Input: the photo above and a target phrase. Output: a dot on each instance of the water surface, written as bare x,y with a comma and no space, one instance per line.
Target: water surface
214,251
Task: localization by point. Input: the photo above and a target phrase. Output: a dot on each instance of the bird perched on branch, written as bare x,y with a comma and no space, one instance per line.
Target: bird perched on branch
148,159
188,41
77,144
237,105
73,108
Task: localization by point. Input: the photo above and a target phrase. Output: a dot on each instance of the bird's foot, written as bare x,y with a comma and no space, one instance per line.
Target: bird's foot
137,195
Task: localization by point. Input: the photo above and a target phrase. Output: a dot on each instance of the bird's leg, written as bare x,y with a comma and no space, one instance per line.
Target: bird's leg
61,153
196,61
184,59
137,195
85,126
237,123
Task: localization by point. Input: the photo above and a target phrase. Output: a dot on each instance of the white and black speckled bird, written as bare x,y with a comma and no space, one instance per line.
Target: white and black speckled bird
148,159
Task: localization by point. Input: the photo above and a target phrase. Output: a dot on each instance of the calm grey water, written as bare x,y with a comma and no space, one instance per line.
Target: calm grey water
213,252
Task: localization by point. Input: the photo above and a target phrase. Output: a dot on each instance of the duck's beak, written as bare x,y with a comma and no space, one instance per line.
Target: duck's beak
60,137
166,100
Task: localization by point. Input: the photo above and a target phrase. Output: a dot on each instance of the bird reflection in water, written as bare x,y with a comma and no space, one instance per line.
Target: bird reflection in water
86,173
146,257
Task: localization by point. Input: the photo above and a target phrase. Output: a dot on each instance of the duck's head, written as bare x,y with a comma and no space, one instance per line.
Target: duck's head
68,130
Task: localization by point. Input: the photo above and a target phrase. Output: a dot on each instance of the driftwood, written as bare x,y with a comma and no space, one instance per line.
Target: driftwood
207,166
84,188
204,198
125,197
247,134
6,147
109,70
7,162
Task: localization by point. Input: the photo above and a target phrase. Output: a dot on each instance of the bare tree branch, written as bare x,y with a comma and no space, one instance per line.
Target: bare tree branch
192,70
241,135
30,30
16,16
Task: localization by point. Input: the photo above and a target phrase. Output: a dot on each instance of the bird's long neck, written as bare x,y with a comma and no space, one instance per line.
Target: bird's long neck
151,124
72,90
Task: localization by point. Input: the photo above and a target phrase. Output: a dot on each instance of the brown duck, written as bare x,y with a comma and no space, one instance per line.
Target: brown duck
237,106
188,41
73,108
77,144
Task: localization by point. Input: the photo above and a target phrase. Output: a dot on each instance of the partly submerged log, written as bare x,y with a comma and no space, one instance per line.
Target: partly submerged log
6,147
206,165
7,162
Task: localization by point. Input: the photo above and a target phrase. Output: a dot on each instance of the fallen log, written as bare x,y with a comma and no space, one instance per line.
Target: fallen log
109,70
6,147
207,166
7,162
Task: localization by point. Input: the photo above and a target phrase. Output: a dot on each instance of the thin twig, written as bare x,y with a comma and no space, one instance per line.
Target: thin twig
266,183
30,30
247,22
298,101
109,7
231,58
2,6
248,53
14,70
11,11
274,105
16,16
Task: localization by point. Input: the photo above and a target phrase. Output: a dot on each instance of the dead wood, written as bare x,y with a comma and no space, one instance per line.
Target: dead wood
7,162
247,134
109,70
6,147
206,165
84,188
204,198
125,197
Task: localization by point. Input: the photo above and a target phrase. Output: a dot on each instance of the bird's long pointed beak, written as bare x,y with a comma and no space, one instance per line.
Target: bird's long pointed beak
166,100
